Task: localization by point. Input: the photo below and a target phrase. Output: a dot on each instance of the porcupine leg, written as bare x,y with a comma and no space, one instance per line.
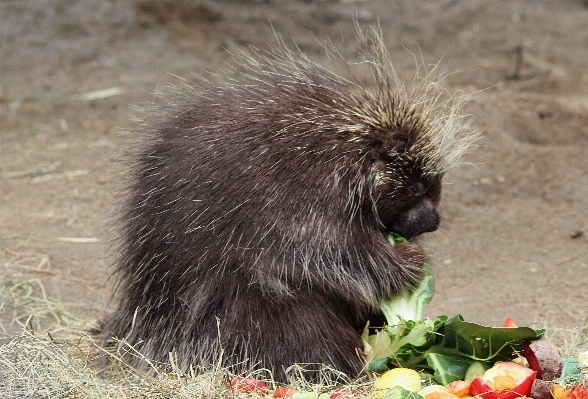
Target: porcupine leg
312,329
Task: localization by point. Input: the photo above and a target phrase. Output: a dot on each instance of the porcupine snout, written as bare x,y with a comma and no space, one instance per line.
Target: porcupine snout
422,218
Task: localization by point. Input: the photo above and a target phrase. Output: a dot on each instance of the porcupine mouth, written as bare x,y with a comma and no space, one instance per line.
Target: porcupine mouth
411,235
397,238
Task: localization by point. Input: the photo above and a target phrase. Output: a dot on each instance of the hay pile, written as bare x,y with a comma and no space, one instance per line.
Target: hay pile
40,367
34,364
53,357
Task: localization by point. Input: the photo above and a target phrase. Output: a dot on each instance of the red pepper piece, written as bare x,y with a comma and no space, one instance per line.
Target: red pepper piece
509,323
285,392
531,358
479,387
578,392
523,376
249,385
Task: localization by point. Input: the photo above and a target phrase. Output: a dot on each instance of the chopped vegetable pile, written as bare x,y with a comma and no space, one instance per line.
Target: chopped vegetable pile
465,359
445,347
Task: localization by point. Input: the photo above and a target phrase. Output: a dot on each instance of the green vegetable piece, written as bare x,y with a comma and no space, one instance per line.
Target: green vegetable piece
394,238
379,365
478,342
448,368
570,373
476,369
409,303
401,393
402,345
403,313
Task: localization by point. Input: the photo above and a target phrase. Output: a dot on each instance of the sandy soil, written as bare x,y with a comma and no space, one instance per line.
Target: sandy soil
514,239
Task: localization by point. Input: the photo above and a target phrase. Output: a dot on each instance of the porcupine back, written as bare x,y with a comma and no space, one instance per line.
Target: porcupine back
250,212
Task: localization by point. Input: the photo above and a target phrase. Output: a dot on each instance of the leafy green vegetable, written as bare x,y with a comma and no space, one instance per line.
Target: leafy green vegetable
448,368
452,345
406,333
570,373
409,304
478,342
401,345
394,238
445,347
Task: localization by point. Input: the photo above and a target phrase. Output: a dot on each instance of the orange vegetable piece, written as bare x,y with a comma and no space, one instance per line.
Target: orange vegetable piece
560,392
459,388
284,392
504,383
440,395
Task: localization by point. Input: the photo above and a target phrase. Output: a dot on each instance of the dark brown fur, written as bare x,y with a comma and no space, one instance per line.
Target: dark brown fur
257,213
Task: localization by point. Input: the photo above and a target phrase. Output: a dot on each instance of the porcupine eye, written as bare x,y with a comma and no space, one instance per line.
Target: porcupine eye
417,189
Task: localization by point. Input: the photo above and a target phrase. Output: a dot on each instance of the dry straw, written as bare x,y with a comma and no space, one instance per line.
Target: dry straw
61,361
41,367
34,364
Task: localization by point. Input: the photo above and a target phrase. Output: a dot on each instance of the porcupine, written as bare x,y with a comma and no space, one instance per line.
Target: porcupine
254,227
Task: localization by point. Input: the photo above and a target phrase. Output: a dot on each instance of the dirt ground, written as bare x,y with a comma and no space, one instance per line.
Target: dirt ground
514,239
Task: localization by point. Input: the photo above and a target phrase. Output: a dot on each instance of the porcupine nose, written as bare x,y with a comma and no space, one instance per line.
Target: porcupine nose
423,218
